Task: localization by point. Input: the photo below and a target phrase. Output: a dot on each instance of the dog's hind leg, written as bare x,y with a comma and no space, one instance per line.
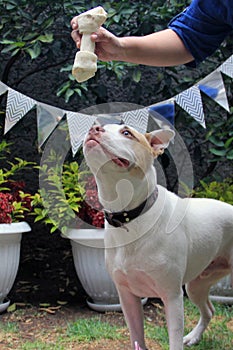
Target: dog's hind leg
198,293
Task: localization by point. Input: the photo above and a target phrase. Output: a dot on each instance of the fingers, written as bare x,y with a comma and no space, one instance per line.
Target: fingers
75,34
74,23
76,37
102,35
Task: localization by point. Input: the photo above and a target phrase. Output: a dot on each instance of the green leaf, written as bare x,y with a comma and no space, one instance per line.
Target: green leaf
66,68
228,142
230,155
7,42
63,88
68,94
215,141
53,229
47,38
11,308
218,152
8,49
78,91
34,52
137,75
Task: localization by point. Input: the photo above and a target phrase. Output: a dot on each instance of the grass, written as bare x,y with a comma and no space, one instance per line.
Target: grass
87,330
218,336
86,333
9,327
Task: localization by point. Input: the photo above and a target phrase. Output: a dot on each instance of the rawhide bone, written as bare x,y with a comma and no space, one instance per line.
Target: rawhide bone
85,63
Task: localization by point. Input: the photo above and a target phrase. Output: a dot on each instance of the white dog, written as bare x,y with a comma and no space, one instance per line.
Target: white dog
155,241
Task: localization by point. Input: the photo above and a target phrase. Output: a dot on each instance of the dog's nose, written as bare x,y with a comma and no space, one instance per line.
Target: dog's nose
96,129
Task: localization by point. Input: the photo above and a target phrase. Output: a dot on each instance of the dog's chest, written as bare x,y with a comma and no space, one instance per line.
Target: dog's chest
137,282
131,269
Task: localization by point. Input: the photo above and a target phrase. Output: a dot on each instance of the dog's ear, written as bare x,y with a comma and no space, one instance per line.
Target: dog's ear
159,140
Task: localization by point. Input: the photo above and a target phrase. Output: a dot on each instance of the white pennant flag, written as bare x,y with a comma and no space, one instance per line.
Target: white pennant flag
78,125
212,85
3,88
137,118
17,106
227,67
190,100
48,118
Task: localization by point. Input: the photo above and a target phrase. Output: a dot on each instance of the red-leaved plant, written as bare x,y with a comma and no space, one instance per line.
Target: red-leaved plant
14,202
91,211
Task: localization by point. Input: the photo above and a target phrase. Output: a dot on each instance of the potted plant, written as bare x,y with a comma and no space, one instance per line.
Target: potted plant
14,206
68,201
87,241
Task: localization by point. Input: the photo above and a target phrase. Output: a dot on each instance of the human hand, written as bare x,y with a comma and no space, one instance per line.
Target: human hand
107,46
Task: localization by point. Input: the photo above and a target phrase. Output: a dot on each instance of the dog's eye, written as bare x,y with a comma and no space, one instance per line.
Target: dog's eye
126,133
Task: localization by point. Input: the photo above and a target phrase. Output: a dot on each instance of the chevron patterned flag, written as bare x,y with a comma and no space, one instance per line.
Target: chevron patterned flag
17,106
212,85
78,125
137,118
3,88
48,118
190,100
227,67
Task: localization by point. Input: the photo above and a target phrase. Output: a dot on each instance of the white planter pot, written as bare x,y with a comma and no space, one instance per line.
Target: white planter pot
89,260
222,291
88,254
10,239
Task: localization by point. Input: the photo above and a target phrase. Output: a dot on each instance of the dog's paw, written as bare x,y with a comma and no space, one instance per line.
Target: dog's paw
193,338
136,346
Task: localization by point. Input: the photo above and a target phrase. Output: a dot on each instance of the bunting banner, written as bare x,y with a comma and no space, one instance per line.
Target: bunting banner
136,118
190,100
3,88
166,109
227,67
17,106
78,125
213,87
48,118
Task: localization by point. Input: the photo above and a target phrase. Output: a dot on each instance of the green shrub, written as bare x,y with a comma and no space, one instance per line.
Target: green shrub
61,193
222,191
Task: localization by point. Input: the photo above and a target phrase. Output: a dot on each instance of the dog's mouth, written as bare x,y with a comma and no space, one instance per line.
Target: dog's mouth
120,161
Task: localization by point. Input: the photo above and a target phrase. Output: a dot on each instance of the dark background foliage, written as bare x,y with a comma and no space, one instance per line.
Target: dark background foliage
37,54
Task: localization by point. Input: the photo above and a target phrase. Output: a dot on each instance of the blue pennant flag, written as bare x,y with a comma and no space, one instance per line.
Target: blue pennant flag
165,109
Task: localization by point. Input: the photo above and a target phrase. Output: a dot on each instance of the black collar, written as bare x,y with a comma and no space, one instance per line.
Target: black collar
120,218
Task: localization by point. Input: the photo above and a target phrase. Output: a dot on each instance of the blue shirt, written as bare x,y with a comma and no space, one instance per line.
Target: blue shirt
203,26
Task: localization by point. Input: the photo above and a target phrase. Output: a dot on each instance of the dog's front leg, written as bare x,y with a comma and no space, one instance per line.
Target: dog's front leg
133,312
175,320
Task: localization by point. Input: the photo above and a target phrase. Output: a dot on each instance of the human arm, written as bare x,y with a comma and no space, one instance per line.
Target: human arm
163,48
191,37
